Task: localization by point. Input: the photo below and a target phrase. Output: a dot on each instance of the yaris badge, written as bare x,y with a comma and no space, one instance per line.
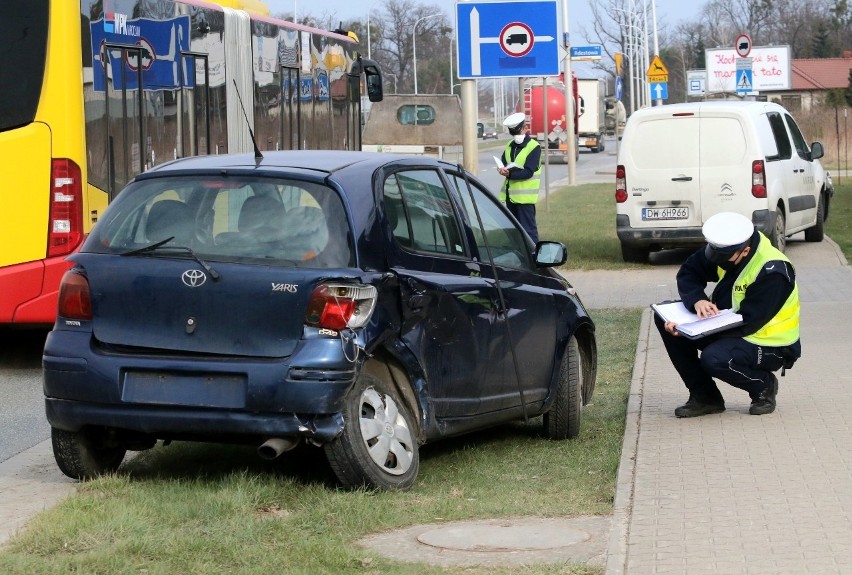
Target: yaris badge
193,278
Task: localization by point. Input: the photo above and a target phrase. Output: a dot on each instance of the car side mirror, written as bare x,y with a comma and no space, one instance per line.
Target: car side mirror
550,254
817,151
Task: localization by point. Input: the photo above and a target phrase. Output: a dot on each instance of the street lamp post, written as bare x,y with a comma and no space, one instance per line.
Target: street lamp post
369,10
414,42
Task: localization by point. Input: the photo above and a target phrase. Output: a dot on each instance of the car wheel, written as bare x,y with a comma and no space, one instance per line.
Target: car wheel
377,447
817,232
563,419
84,454
779,234
634,255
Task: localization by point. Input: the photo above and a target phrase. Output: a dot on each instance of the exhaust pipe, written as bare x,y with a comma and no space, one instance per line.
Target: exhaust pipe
275,446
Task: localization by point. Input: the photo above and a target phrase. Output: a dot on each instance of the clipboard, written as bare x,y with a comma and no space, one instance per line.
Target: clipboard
692,326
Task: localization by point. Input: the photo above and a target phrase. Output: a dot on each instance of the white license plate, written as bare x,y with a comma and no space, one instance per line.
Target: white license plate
665,214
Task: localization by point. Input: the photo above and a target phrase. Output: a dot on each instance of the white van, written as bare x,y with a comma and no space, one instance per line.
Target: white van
679,164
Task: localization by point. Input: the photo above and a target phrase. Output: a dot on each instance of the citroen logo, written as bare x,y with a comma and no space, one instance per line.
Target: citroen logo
727,188
193,278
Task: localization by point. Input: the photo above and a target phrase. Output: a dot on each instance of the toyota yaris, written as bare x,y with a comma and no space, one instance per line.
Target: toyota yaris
361,303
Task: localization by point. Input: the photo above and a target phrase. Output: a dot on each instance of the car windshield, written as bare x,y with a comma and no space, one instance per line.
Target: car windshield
228,218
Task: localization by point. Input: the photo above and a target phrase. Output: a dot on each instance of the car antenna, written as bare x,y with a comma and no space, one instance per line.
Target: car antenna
257,155
500,296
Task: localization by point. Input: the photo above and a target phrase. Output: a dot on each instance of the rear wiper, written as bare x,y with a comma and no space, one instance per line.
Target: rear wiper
161,244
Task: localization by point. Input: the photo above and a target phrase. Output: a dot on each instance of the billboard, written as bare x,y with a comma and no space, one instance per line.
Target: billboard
771,69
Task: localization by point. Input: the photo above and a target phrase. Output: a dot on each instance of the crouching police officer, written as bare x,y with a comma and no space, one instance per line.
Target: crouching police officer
523,179
758,282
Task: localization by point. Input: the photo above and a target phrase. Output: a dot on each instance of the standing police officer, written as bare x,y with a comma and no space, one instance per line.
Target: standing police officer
758,282
522,170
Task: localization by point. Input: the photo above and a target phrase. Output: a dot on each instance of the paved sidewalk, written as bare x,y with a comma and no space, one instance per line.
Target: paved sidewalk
733,493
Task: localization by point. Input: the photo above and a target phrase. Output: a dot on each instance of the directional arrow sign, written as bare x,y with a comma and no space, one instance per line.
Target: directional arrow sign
660,91
501,39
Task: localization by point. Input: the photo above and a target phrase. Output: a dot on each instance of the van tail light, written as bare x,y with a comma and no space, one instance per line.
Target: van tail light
66,208
75,301
338,306
758,179
620,185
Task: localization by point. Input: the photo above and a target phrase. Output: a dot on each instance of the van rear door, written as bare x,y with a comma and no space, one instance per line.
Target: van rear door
663,172
725,161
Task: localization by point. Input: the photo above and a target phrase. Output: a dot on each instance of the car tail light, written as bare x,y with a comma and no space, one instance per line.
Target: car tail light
620,185
758,179
66,208
75,301
338,306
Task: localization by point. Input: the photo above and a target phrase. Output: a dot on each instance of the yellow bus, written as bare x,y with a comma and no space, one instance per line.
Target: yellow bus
93,92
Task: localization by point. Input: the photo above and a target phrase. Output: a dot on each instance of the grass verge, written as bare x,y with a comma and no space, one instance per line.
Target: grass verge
192,508
839,224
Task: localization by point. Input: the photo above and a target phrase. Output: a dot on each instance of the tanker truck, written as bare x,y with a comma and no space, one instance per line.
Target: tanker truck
559,144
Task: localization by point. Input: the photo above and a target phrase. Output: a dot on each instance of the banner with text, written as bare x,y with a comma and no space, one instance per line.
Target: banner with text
771,69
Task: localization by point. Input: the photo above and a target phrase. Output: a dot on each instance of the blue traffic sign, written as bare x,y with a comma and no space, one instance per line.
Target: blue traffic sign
659,90
744,81
586,52
500,39
619,88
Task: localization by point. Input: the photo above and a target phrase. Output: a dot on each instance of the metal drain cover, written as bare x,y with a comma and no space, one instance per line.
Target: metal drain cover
506,541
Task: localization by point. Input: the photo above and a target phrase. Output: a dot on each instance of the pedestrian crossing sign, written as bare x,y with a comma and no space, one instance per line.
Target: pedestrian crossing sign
744,82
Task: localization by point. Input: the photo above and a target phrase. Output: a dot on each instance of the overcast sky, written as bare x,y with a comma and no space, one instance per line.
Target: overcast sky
669,12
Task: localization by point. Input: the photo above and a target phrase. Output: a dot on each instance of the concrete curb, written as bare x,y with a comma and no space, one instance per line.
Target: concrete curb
625,482
30,483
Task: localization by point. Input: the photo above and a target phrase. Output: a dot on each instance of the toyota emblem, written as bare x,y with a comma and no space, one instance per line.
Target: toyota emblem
193,278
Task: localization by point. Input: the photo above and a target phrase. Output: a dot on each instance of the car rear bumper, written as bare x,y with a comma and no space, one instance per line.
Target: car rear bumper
174,396
174,422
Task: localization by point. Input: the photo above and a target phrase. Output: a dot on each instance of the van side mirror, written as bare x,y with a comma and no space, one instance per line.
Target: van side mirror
817,151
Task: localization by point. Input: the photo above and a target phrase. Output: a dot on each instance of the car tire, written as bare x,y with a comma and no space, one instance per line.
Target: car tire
83,454
817,232
634,255
378,446
563,419
779,232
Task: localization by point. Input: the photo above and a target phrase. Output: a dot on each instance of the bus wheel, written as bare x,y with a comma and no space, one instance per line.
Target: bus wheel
84,454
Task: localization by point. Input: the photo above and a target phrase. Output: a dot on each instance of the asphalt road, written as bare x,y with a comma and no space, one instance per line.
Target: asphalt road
22,422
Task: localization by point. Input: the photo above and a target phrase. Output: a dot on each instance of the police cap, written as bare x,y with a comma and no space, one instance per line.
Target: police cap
726,232
514,122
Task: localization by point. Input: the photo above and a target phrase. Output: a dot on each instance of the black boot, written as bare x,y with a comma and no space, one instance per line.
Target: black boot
695,408
765,402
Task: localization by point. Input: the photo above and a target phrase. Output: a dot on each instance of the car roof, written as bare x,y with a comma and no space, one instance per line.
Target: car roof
733,106
324,162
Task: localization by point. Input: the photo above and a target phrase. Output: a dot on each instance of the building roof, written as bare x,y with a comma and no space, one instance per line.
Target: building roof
820,73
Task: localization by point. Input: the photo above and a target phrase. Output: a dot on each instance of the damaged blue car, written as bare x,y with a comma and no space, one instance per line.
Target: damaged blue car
361,303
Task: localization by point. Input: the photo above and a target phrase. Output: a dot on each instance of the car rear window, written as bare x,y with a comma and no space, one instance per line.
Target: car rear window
261,220
723,142
669,143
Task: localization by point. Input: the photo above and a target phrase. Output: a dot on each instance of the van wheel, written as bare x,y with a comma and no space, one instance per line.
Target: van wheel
817,232
634,255
779,234
377,447
563,419
84,454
